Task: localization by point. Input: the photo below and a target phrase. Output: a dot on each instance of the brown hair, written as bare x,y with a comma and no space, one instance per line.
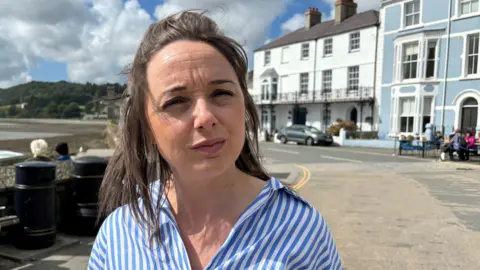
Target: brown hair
136,162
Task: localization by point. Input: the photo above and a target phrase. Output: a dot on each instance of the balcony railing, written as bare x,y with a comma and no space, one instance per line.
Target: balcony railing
334,95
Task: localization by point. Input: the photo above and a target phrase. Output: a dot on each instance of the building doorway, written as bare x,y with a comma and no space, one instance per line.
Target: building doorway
469,114
353,115
299,116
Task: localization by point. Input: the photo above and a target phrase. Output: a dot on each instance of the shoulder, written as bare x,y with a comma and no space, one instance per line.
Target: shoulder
305,224
122,218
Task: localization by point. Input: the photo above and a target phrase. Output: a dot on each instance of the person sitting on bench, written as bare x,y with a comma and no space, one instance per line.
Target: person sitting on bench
470,140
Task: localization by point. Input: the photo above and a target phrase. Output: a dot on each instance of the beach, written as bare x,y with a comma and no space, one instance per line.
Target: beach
17,135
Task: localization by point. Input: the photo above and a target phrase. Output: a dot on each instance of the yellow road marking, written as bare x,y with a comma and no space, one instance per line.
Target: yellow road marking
306,176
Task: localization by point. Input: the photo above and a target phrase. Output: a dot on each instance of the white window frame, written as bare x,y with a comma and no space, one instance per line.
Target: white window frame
330,45
402,61
404,15
468,55
305,47
327,77
428,113
353,81
436,59
460,4
285,58
352,40
304,82
265,91
267,58
283,85
410,116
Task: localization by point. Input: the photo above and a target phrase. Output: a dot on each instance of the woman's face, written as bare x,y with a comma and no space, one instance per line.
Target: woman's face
197,111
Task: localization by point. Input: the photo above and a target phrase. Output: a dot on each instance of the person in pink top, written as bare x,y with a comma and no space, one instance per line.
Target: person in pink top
470,140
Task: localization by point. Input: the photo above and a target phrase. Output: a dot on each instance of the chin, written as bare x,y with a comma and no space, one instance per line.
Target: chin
212,167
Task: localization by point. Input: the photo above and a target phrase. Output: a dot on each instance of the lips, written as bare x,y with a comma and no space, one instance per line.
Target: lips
209,147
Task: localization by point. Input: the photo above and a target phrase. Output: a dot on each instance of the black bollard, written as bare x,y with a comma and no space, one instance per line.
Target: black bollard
34,204
87,177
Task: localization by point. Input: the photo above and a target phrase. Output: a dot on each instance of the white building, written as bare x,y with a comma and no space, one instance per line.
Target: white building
319,73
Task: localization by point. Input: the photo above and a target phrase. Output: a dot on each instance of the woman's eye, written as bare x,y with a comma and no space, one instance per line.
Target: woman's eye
221,92
173,102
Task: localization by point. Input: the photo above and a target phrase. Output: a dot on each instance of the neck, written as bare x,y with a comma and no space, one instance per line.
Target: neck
196,202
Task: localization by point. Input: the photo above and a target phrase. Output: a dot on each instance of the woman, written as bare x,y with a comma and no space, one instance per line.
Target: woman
40,152
190,122
470,141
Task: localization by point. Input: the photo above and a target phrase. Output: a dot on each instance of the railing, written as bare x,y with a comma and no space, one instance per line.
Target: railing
334,95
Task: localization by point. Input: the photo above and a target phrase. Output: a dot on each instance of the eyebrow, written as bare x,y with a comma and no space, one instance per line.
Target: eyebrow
183,88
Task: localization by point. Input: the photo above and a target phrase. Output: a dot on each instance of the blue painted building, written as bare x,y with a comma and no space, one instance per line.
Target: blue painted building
428,66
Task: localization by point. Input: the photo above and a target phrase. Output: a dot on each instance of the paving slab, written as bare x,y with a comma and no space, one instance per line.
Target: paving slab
19,255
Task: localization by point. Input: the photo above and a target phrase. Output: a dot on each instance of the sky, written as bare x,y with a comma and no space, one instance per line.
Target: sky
92,40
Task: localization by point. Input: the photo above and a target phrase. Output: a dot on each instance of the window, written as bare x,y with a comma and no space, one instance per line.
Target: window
285,57
412,13
472,54
353,78
468,6
407,113
427,112
274,88
327,81
431,59
305,50
303,83
265,93
283,85
354,41
410,60
328,47
266,59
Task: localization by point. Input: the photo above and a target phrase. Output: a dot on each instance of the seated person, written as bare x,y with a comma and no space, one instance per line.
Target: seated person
438,140
458,143
470,141
62,151
40,151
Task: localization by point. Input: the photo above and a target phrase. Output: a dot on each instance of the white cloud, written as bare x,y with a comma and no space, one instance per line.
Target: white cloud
96,39
246,21
292,24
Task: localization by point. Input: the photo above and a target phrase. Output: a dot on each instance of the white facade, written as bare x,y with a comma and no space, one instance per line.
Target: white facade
328,79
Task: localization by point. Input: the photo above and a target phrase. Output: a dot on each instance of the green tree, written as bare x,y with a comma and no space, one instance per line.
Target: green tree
12,111
72,110
52,110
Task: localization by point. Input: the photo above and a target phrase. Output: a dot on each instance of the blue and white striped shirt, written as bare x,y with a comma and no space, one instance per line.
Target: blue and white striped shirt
279,230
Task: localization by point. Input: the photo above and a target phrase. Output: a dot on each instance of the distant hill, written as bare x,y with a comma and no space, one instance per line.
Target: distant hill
51,99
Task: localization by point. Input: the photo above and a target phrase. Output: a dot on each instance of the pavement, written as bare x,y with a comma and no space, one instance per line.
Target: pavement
390,212
385,211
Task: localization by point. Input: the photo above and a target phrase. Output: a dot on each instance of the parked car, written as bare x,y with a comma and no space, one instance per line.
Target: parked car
305,135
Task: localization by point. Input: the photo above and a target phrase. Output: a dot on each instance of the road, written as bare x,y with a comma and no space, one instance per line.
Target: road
389,212
385,212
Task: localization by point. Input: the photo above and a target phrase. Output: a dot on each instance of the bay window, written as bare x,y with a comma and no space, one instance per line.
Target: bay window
410,60
407,114
427,111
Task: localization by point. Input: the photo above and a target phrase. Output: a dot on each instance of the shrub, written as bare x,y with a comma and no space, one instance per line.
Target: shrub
334,129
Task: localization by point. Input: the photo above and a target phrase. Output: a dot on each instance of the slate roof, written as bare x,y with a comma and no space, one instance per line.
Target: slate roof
325,29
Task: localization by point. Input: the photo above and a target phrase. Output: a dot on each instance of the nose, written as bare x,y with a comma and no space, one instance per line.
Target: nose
203,116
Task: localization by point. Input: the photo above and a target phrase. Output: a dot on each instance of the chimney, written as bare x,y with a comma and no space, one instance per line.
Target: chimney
312,17
344,9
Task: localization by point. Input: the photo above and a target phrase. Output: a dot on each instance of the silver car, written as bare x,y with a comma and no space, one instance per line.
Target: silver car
305,135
